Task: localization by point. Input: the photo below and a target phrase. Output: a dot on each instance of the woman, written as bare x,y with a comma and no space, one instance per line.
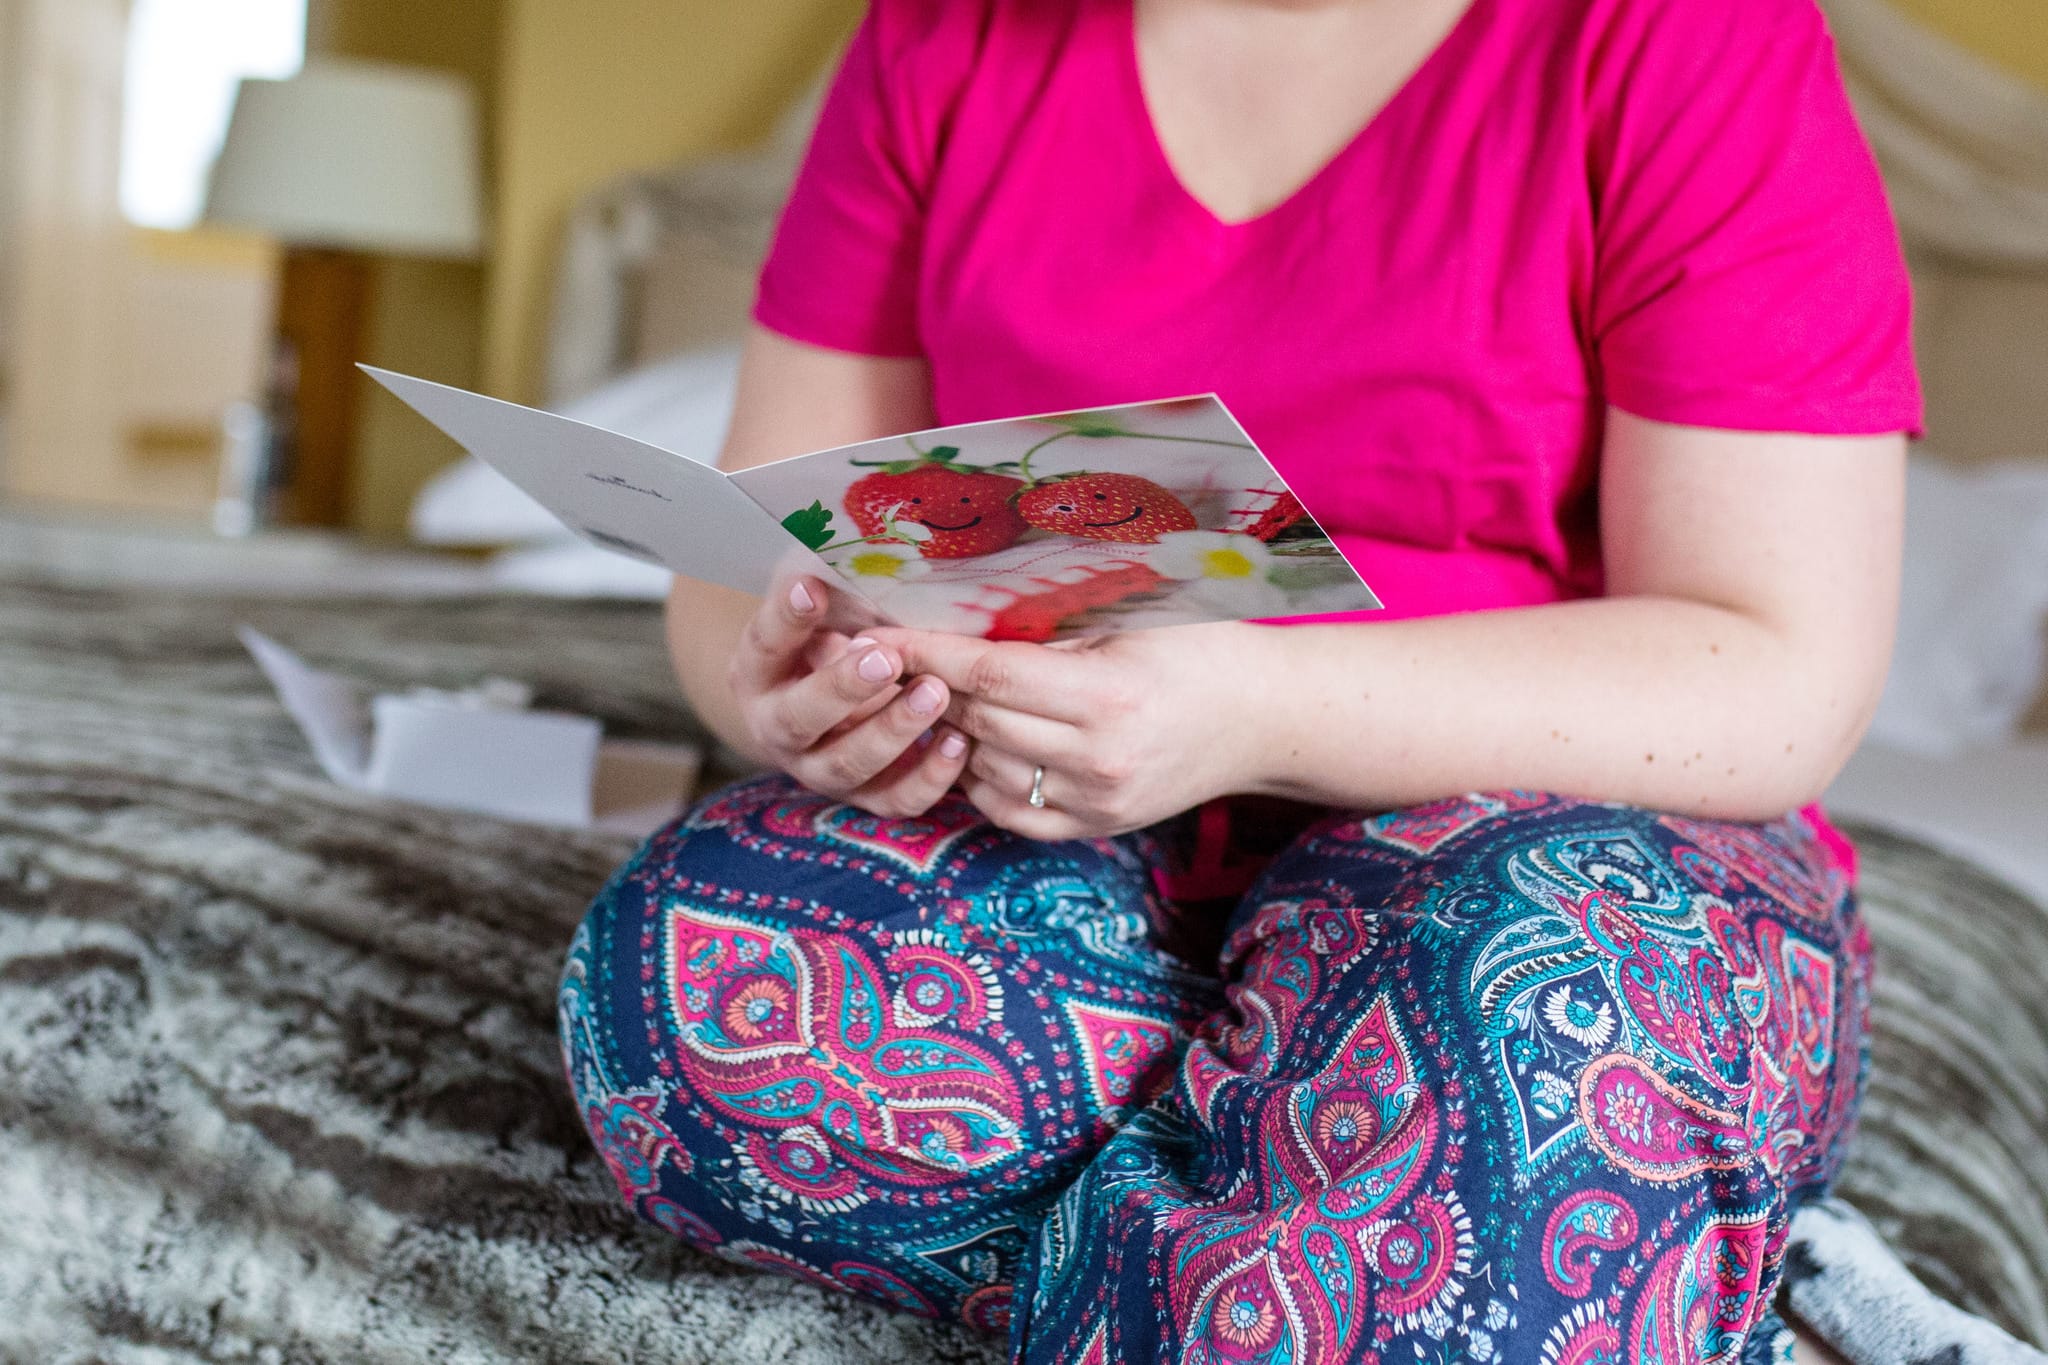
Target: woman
1582,326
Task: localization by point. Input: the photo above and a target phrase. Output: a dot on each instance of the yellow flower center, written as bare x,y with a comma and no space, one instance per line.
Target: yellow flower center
1226,564
875,564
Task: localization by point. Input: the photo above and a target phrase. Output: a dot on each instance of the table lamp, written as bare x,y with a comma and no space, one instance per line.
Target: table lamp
343,161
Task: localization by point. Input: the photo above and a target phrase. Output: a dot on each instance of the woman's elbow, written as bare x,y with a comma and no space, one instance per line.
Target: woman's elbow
1829,705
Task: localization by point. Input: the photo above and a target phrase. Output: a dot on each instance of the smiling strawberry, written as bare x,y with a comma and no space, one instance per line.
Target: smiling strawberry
1119,507
966,508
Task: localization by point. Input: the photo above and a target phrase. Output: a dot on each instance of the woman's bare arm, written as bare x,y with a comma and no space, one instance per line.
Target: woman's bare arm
1752,585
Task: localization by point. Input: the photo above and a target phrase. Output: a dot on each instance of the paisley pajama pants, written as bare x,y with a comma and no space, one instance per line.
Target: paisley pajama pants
1509,1077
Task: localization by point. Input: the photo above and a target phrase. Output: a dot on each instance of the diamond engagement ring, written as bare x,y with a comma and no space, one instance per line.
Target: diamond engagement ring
1037,797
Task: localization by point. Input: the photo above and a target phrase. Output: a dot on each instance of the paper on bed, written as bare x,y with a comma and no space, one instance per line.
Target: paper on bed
332,713
470,752
1043,527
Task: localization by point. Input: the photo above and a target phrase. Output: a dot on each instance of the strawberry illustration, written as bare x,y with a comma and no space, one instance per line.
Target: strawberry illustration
1037,616
1119,507
965,507
1284,511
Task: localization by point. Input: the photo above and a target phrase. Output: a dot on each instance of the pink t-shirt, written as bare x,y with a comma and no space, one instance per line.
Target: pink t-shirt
1660,204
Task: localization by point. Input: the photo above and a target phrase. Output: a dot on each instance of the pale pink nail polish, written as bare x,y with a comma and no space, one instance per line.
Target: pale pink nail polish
800,597
925,698
863,642
952,746
876,667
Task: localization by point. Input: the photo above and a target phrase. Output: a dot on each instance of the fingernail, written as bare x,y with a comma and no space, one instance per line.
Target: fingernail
800,597
952,746
924,698
875,667
851,645
924,740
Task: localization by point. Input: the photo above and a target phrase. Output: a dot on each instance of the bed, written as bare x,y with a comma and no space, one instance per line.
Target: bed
278,1078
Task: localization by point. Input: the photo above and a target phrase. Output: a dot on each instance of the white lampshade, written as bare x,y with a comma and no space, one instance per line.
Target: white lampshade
355,155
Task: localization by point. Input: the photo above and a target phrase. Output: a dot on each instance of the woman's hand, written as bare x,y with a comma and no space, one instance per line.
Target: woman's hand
831,711
1129,729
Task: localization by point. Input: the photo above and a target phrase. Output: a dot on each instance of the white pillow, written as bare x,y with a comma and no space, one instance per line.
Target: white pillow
575,568
1969,660
683,403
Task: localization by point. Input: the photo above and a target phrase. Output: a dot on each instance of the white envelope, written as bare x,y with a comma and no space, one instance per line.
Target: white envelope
466,752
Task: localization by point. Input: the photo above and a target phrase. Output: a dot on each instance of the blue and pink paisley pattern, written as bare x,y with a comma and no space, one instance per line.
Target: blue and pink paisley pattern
1508,1077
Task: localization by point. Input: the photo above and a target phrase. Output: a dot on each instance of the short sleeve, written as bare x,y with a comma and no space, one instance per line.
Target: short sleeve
843,268
1747,273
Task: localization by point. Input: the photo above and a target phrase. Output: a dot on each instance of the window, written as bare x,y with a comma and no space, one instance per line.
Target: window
185,60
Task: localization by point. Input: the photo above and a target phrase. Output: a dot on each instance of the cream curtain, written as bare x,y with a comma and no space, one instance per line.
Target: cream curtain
1963,143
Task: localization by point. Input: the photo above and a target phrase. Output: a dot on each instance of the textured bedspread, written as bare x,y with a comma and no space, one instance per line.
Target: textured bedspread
278,1078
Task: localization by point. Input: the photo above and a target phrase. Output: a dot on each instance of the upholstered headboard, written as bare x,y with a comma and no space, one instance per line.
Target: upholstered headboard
665,261
1983,349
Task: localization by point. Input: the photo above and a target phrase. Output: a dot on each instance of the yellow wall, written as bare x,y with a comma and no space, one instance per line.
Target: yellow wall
576,92
595,88
2012,33
427,317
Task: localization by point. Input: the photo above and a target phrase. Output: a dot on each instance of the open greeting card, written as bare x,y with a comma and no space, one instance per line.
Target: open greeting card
1030,528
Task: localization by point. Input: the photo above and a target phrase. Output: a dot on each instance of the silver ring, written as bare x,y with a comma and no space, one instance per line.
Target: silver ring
1037,797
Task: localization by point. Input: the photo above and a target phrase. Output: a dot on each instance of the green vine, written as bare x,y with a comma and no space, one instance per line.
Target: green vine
1095,429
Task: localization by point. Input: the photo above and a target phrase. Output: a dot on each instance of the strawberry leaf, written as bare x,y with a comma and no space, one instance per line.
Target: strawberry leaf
812,525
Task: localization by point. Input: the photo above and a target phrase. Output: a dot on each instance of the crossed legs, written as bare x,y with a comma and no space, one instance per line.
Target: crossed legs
1507,1077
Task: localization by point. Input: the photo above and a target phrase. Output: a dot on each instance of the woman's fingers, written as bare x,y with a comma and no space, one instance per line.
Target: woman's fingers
830,647
777,634
849,761
824,649
999,785
924,774
1008,811
1055,683
796,679
860,713
801,713
849,728
1018,732
1012,775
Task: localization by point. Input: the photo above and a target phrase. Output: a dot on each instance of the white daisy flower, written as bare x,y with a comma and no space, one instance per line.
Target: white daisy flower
1220,556
1224,569
1586,1022
881,563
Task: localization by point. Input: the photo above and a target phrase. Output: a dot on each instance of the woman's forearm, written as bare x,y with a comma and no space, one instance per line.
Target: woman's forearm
1660,702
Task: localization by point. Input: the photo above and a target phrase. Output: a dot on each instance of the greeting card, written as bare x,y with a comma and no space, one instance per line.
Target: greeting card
1034,528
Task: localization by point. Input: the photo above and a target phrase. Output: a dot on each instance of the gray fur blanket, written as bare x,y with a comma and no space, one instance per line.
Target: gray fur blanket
278,1079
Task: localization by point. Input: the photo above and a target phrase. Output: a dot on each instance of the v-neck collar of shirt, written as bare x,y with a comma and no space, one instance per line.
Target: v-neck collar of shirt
1131,77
